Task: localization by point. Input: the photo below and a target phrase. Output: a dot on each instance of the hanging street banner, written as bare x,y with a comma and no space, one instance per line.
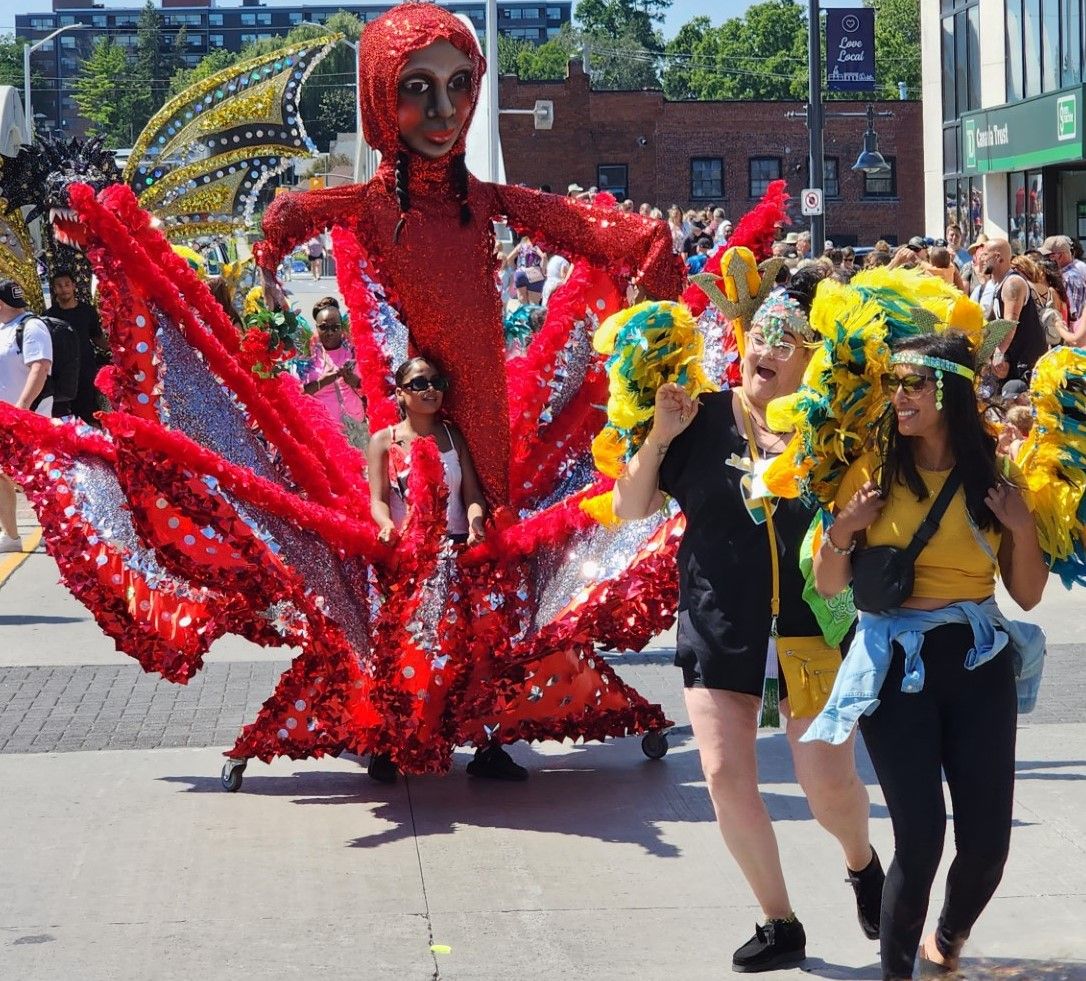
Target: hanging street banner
850,49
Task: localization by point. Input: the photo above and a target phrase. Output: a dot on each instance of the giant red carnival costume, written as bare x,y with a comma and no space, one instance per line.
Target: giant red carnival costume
209,504
425,226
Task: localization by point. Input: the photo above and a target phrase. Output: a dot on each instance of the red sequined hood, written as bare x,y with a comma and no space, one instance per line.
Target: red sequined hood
387,43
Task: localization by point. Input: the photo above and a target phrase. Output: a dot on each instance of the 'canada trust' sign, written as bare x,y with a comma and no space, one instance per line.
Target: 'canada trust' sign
1043,130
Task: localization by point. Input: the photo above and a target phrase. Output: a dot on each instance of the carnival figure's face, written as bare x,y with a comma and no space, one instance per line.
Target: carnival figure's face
435,99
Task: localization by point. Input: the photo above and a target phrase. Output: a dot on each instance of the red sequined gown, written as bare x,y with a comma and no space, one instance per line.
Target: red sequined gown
210,503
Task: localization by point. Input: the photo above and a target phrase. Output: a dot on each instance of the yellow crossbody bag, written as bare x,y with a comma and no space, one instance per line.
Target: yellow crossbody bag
809,664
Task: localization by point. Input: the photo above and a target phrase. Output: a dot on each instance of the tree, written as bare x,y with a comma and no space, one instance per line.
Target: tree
679,52
763,54
152,67
547,62
11,65
207,66
336,114
897,46
620,62
509,51
635,20
105,94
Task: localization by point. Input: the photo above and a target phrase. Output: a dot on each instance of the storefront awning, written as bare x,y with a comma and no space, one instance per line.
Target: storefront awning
1046,129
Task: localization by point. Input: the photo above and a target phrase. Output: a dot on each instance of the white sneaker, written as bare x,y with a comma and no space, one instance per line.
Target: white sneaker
9,544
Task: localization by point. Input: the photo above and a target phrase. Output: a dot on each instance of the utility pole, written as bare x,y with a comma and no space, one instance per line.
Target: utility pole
815,167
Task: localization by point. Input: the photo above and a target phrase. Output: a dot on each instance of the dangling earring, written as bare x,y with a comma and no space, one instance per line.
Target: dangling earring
938,390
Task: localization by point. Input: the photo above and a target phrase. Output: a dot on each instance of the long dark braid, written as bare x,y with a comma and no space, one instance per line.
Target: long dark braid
403,199
460,186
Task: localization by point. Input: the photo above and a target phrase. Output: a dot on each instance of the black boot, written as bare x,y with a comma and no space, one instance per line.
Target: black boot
867,885
495,763
382,769
778,944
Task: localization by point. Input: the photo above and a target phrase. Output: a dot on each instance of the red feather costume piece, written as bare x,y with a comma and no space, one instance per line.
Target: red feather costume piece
207,505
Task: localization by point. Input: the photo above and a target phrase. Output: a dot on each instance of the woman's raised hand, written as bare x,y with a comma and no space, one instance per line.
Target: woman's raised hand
1008,505
860,512
675,410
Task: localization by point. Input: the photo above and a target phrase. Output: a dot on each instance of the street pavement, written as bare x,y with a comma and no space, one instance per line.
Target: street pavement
121,857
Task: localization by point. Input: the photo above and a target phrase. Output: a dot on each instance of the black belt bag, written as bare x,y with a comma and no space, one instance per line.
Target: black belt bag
882,577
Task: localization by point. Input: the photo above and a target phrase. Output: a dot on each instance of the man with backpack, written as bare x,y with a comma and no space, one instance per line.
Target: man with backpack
26,359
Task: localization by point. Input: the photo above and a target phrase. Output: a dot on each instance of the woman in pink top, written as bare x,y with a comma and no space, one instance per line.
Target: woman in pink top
331,377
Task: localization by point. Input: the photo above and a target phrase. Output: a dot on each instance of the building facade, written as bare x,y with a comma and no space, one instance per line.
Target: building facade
1003,117
641,146
209,27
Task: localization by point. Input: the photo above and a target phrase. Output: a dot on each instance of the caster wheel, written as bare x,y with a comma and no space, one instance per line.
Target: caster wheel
654,745
232,772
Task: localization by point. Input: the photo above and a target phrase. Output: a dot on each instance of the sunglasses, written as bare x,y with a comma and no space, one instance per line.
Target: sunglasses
909,384
420,384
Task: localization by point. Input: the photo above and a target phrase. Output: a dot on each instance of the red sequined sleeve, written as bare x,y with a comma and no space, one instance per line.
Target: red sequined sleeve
630,245
292,219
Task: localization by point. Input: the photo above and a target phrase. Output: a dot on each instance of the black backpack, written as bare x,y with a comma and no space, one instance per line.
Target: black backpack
63,380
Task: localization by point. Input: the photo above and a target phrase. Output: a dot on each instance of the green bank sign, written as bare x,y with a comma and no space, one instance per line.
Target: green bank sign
1044,130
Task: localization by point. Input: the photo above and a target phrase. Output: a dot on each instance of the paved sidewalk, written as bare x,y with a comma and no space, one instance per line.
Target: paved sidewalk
122,858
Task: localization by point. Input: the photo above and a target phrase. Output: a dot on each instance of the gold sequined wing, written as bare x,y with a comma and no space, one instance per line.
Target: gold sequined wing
17,259
201,162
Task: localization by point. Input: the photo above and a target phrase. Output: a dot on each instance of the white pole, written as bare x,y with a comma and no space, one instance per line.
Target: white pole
28,50
357,45
492,84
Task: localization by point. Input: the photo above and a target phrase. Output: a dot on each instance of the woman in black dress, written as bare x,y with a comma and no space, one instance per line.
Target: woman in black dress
698,452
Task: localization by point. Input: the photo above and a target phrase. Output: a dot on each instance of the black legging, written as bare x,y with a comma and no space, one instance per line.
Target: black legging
963,723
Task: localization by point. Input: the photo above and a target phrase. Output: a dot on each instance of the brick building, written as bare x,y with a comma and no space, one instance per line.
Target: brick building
702,154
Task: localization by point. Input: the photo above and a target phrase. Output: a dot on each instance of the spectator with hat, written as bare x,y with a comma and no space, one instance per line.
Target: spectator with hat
1071,269
971,273
26,357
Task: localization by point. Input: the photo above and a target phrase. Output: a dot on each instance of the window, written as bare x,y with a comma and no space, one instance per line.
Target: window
98,20
762,170
706,178
882,185
514,14
1031,45
264,20
1026,198
295,17
1071,49
530,13
554,13
67,41
41,23
214,20
215,40
831,184
248,20
247,38
553,32
613,179
1050,45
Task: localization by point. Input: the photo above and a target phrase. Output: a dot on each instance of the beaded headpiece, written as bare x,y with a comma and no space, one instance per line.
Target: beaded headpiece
778,314
940,365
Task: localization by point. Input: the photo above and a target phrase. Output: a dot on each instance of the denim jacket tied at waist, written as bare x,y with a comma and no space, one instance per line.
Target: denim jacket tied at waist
864,669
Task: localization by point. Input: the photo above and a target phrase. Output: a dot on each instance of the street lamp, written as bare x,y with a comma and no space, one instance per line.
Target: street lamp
28,50
870,161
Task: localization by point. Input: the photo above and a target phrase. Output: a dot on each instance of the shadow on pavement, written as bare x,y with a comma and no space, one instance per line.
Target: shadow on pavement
23,620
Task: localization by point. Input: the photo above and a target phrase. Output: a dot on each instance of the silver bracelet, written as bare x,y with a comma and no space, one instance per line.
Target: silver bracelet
843,552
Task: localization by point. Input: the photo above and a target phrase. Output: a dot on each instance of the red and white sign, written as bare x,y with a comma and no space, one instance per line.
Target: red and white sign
811,200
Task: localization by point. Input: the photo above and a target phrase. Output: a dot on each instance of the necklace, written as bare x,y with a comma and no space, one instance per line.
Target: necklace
770,441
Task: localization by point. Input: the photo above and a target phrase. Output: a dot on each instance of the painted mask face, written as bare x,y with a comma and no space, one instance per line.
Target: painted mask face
435,97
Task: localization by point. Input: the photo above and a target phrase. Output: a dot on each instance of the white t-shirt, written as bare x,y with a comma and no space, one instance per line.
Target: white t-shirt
15,367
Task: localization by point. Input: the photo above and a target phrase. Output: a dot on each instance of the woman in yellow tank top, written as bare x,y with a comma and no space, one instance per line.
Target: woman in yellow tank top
951,711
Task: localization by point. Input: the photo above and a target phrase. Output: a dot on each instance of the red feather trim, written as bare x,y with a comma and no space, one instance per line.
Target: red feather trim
757,230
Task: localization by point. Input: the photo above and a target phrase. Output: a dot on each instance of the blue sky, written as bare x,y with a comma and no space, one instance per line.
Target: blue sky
680,13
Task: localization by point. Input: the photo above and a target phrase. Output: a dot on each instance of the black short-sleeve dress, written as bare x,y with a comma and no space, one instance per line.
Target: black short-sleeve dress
725,571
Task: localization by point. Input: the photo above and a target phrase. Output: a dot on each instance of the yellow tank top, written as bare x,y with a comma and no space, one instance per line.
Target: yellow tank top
953,565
